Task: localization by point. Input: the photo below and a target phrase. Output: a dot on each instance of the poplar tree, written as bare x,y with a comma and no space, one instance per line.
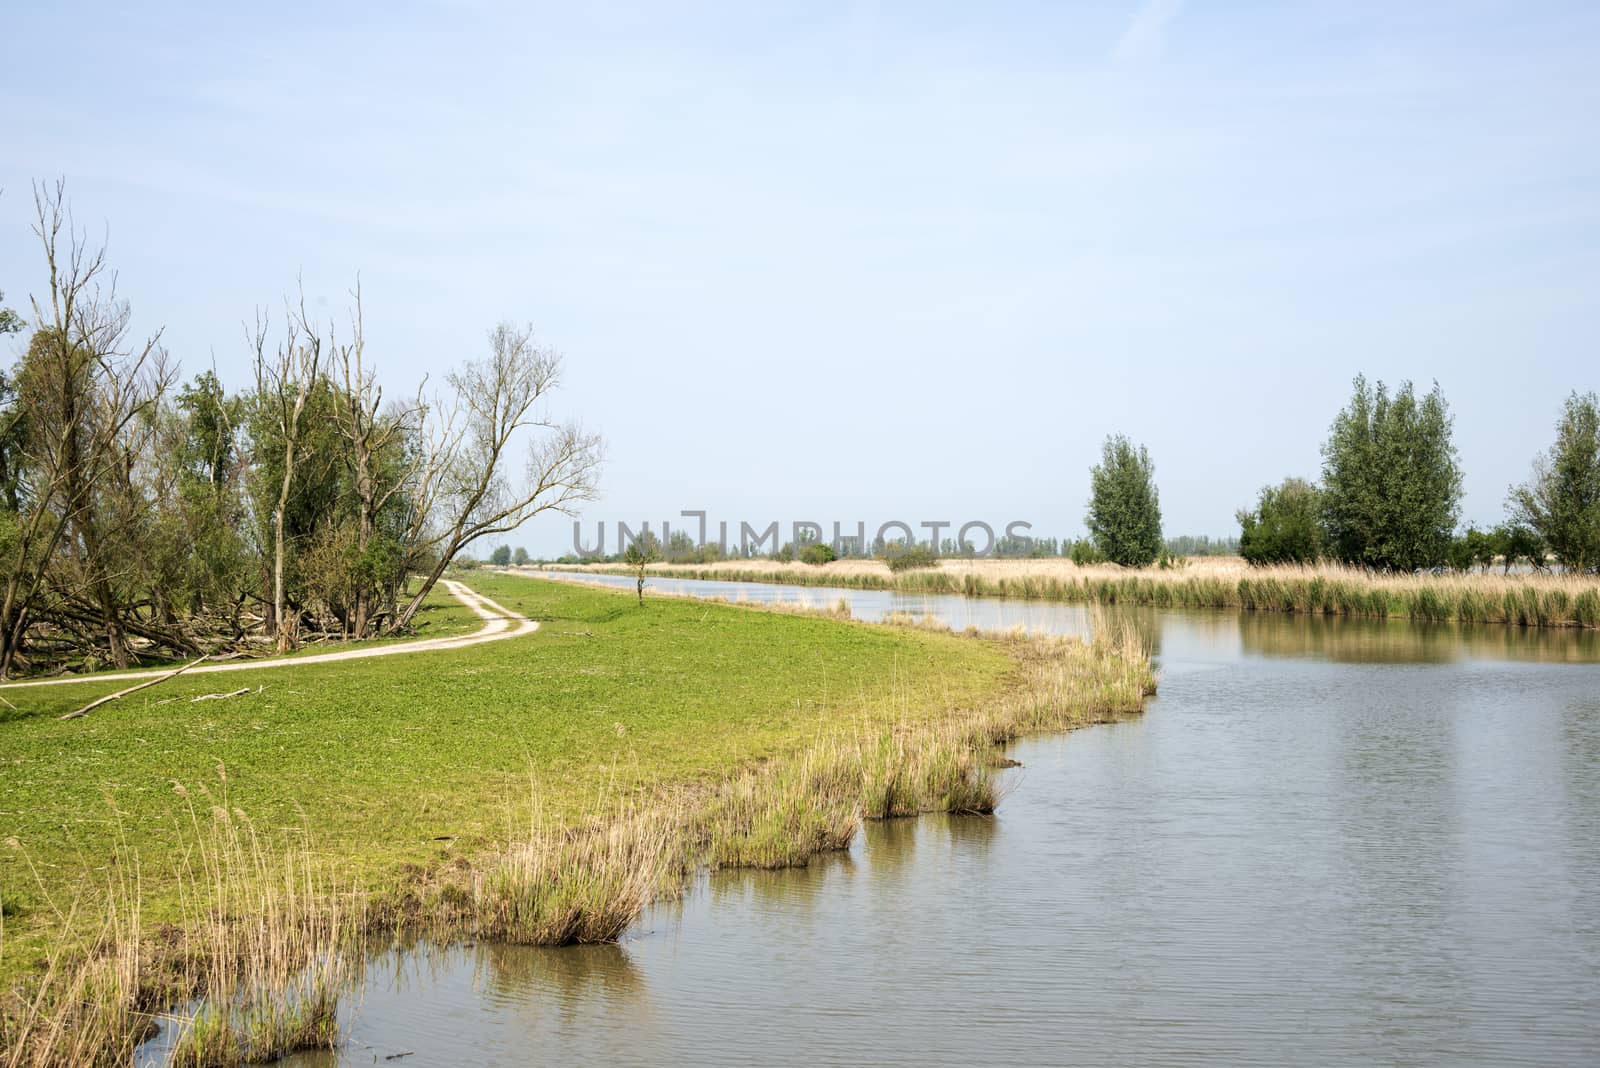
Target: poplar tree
1561,501
1124,516
1391,483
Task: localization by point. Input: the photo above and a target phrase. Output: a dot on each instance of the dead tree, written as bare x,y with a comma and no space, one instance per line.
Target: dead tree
369,435
462,491
79,389
285,382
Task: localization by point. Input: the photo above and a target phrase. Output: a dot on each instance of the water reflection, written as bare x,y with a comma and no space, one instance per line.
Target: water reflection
1329,841
1200,634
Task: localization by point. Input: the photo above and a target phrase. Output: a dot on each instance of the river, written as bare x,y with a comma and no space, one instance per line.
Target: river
1326,842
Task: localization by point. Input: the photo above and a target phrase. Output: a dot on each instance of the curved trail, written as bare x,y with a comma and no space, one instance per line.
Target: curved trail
499,623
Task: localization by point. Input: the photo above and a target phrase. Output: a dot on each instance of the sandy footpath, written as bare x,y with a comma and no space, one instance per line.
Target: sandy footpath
499,623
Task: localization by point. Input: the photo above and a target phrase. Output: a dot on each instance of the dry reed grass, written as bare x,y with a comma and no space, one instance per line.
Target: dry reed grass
1540,599
254,969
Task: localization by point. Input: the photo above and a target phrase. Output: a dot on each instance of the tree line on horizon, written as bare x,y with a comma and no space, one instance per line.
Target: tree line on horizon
1389,497
146,516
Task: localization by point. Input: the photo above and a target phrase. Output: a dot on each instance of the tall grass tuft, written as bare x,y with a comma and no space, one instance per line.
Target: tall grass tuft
255,967
85,1007
781,814
266,935
560,887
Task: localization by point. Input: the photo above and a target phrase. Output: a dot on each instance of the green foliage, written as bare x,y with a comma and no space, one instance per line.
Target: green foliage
642,551
519,558
680,548
326,568
1561,501
1473,549
1084,552
1391,484
1124,516
818,553
1285,527
1516,544
501,556
911,558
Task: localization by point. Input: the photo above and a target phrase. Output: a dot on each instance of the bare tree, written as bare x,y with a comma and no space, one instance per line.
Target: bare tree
462,491
284,382
370,435
79,390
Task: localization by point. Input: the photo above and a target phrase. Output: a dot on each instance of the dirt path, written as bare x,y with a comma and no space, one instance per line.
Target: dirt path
499,623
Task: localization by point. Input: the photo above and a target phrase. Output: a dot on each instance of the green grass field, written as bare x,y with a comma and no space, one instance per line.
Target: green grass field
397,764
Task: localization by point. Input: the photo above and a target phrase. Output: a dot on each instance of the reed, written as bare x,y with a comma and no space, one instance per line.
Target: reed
1527,599
785,812
267,941
562,887
254,968
85,1007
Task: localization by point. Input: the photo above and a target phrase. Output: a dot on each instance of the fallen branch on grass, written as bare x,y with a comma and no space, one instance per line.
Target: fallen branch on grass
92,705
240,692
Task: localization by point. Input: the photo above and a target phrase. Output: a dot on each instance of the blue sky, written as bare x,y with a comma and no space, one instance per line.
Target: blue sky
865,261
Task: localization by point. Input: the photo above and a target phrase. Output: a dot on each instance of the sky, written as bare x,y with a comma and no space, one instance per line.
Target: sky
842,262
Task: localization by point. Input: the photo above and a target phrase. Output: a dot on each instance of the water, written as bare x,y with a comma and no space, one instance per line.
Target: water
1326,842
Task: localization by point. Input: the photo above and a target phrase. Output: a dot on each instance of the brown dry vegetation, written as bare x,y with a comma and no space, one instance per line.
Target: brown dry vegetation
1541,599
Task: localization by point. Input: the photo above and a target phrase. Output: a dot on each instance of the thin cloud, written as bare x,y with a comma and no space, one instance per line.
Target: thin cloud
1146,36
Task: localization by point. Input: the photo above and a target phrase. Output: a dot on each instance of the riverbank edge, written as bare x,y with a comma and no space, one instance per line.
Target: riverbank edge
1496,599
558,886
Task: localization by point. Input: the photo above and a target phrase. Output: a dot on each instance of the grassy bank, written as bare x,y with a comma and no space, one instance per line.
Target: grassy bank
1528,600
540,789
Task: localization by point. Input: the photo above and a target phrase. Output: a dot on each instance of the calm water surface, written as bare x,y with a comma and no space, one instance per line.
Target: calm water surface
1327,842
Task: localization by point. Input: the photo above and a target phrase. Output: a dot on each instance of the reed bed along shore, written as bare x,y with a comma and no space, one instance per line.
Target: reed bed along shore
250,973
1525,599
270,940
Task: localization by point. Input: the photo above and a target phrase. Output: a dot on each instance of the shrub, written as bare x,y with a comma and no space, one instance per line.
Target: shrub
915,558
1084,553
818,553
1285,527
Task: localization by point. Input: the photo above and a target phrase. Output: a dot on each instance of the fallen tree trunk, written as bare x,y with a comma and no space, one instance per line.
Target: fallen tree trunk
92,705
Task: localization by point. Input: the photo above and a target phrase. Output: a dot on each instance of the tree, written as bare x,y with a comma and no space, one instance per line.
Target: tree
501,556
1561,501
372,438
82,395
136,521
462,491
520,557
1514,543
1474,548
818,553
1285,527
1391,484
642,551
284,384
1124,517
10,321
